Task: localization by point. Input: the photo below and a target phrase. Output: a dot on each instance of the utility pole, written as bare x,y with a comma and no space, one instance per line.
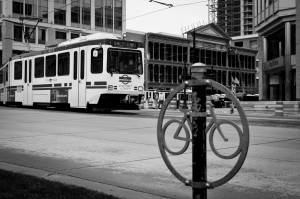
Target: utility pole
28,34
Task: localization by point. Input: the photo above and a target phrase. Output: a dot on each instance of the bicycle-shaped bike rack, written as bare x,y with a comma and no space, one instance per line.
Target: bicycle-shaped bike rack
183,133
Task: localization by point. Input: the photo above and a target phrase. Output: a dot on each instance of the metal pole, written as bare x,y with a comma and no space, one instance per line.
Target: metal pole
199,140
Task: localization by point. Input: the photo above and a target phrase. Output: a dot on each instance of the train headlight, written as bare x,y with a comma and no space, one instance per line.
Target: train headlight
140,88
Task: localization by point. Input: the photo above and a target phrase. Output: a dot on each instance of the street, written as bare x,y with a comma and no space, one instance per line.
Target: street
118,153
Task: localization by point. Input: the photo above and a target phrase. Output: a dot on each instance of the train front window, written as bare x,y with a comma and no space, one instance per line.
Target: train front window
124,61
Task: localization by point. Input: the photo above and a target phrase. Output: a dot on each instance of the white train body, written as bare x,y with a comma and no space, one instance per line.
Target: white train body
97,70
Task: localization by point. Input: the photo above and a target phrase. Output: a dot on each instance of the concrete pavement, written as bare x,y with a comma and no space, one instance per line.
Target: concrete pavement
119,156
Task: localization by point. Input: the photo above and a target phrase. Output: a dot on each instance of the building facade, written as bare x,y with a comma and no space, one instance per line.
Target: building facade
235,17
51,21
277,23
169,54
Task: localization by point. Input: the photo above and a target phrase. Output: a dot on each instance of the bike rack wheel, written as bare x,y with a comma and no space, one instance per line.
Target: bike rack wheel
186,139
244,135
211,138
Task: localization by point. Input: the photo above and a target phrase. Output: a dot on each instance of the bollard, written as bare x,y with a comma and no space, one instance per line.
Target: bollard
199,154
142,103
279,108
150,103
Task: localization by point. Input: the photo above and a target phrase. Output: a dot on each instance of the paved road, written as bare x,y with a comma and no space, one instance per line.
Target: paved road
118,154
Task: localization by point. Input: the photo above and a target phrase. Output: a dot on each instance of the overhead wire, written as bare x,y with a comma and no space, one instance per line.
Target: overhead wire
174,6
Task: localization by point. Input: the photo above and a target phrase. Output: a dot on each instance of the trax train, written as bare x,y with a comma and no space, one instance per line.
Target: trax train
97,70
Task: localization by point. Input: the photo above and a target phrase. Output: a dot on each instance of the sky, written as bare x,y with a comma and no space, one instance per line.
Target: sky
145,16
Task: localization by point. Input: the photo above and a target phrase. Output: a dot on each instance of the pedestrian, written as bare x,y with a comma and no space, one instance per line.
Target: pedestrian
160,100
231,108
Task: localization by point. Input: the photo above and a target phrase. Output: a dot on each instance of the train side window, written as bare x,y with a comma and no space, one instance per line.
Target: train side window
6,73
18,70
50,66
82,65
30,64
25,78
96,60
75,66
63,64
1,76
39,67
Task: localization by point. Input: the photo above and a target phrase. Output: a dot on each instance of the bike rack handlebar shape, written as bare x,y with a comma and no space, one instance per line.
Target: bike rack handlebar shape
243,134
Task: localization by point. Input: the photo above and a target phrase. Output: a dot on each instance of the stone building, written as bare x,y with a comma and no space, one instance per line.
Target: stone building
168,54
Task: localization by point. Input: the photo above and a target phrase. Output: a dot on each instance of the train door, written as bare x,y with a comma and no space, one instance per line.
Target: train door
27,89
82,78
78,95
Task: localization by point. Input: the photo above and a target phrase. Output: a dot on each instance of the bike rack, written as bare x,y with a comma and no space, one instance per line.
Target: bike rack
243,133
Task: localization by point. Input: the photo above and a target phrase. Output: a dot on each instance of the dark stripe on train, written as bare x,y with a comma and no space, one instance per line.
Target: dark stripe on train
57,85
100,83
88,83
96,87
53,88
41,85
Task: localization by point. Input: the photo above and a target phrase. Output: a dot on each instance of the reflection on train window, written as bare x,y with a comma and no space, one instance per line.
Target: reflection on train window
18,70
63,65
96,60
51,66
39,67
124,61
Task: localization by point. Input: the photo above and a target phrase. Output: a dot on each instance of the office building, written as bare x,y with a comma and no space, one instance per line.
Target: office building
235,17
277,23
47,22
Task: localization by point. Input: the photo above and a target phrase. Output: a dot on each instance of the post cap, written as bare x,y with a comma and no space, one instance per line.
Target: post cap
197,70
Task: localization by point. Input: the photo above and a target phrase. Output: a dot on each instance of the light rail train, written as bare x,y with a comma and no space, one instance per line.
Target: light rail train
97,70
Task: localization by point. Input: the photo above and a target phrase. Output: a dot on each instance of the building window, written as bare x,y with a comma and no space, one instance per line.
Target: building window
118,15
30,8
75,12
60,35
99,13
60,17
51,66
1,7
109,14
239,44
86,13
42,36
18,70
18,33
156,50
74,35
43,10
30,34
169,52
18,7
